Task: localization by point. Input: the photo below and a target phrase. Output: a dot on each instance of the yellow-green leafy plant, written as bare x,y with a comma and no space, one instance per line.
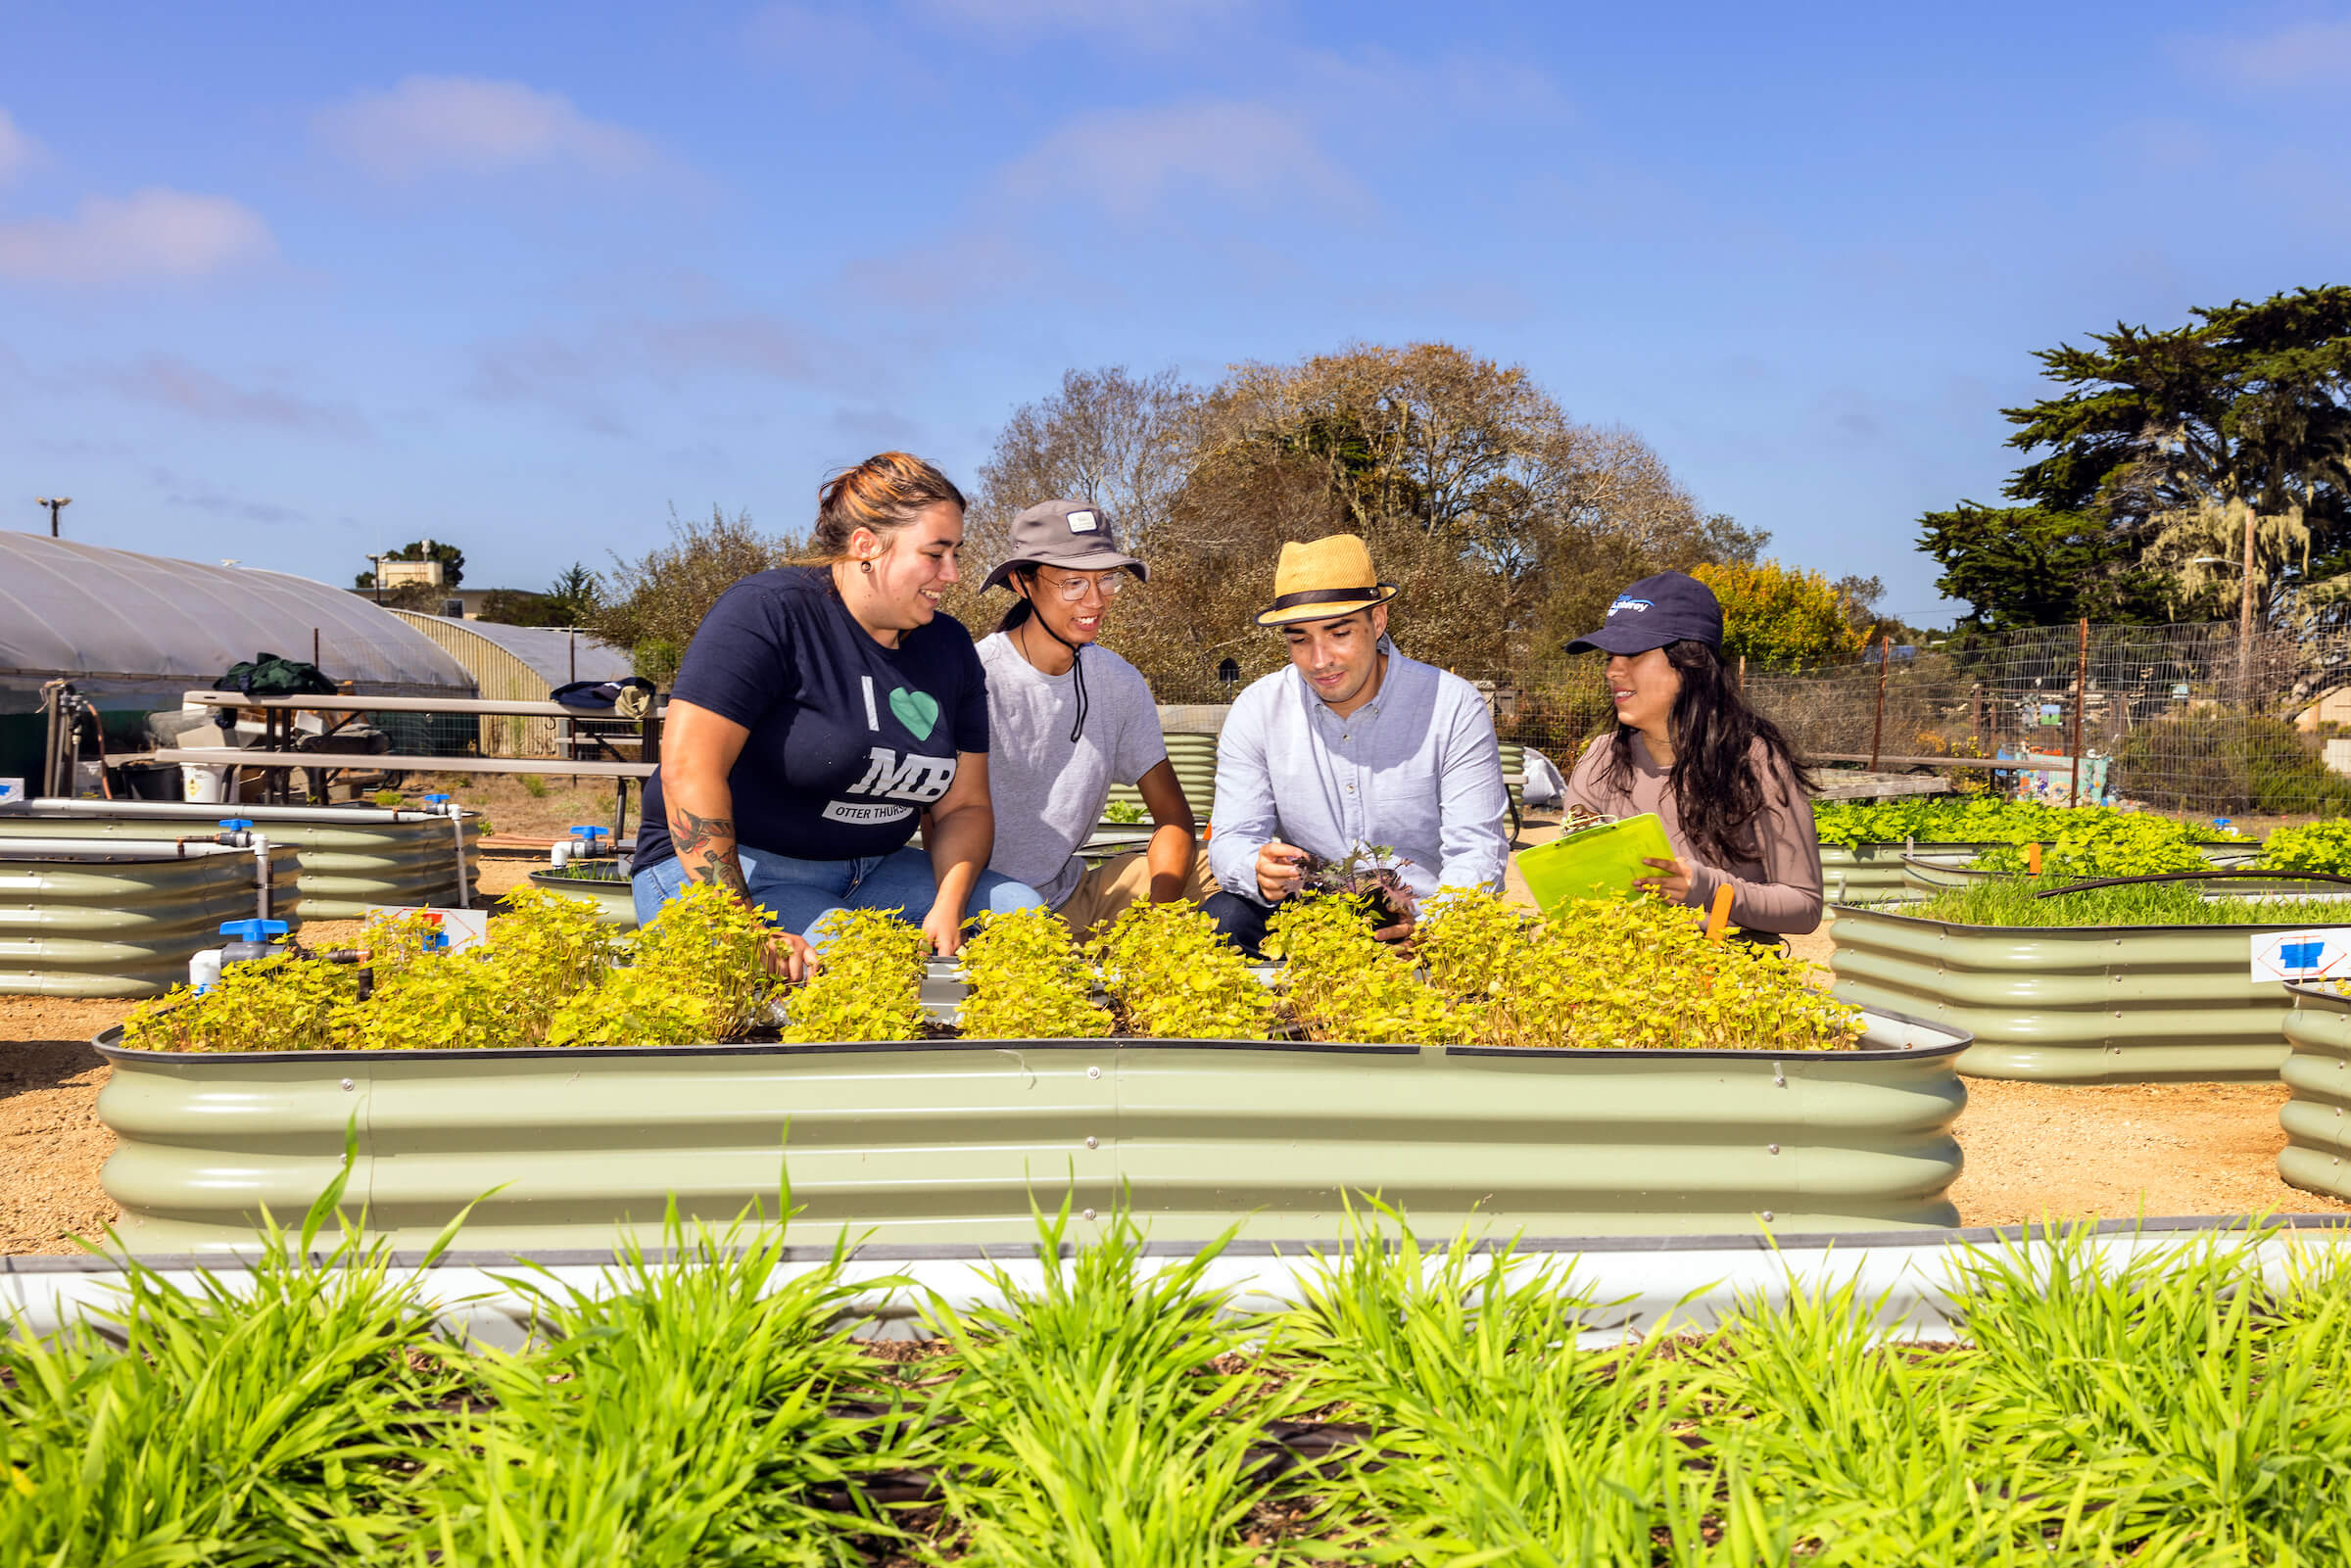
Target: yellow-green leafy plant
1467,938
1172,978
1342,983
1639,973
2104,845
272,1004
540,956
698,973
446,1002
1027,981
870,986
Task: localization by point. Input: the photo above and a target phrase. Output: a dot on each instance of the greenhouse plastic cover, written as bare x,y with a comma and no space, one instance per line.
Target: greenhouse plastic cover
548,650
119,624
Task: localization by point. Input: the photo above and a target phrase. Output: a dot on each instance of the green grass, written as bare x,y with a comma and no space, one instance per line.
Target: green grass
2010,901
2188,1407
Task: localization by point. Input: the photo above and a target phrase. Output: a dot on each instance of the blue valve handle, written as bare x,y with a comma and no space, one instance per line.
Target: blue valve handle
436,799
236,825
254,930
589,832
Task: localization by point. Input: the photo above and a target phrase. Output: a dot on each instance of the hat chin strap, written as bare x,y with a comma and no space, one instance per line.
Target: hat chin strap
1036,617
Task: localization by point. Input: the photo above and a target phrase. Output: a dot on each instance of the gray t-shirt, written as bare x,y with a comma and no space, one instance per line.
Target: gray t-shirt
1049,792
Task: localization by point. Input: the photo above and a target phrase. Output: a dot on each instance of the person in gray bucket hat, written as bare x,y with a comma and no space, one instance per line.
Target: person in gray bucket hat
1068,719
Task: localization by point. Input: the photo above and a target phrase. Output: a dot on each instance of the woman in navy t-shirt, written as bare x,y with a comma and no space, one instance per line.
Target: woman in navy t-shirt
819,713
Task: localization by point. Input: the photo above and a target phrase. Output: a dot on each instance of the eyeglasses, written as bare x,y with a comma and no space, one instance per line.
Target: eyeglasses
1073,589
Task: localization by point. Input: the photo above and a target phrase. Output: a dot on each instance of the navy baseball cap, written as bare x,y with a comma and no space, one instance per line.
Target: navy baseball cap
1669,607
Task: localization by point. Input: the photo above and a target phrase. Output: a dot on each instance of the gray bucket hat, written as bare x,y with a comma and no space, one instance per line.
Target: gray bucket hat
1073,534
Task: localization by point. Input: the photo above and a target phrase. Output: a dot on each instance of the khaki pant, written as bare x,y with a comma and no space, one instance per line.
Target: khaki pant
1109,887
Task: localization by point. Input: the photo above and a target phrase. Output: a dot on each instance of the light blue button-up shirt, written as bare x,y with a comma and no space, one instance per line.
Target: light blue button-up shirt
1415,768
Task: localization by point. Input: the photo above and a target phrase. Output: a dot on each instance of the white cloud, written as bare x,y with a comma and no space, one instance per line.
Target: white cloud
175,384
569,374
1157,22
18,151
150,233
2308,54
1128,162
467,126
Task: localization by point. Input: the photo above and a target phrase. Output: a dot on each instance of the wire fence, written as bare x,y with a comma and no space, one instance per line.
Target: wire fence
2185,718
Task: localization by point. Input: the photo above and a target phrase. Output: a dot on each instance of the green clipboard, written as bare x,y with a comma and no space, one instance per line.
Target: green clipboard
1594,862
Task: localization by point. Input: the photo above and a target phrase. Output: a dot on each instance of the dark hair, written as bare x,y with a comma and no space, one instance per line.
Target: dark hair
882,494
1716,782
1021,608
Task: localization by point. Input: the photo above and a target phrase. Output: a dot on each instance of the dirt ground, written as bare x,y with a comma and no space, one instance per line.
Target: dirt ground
2033,1151
516,811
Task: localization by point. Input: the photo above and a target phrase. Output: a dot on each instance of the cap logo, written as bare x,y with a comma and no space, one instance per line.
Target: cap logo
1623,603
1082,523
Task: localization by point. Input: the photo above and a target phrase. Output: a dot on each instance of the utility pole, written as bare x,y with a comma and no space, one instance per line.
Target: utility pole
55,506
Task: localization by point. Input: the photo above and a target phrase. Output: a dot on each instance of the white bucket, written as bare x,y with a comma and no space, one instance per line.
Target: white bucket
205,783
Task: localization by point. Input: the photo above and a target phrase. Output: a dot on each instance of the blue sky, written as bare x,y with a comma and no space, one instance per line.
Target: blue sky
287,285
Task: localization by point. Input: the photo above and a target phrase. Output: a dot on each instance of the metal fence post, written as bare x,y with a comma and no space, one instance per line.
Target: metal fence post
1876,730
2081,689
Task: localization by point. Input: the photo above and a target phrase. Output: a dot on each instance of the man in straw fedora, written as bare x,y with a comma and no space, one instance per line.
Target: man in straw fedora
1352,747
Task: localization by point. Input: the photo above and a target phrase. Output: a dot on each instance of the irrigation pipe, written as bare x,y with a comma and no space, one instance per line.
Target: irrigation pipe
227,843
189,811
2196,876
1651,1284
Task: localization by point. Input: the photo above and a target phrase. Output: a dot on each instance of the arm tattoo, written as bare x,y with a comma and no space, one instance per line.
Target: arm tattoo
723,871
690,832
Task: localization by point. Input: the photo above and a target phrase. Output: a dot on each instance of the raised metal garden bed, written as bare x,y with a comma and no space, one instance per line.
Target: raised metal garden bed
602,884
91,927
2081,1004
1938,868
950,1140
347,866
2317,1157
1872,873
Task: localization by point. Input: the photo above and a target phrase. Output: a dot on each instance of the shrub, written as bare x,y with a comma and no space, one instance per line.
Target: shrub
2228,764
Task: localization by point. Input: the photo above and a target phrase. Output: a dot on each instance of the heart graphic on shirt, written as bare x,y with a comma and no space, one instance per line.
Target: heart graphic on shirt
918,711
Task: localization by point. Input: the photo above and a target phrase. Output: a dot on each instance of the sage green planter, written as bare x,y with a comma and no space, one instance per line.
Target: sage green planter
124,928
2317,1157
1872,873
2085,1003
947,1141
615,903
346,867
1938,868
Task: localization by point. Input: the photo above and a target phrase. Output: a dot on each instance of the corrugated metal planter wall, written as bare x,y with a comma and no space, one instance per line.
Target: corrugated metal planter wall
125,927
1872,873
615,903
2317,1157
346,867
946,1141
2091,1004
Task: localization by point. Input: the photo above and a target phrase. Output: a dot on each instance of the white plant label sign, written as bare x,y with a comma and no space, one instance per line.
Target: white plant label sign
464,926
2313,955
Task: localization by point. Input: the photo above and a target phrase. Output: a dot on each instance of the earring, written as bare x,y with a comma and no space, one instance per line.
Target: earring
867,567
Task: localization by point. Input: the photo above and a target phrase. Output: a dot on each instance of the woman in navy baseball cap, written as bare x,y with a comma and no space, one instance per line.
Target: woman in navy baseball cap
1728,788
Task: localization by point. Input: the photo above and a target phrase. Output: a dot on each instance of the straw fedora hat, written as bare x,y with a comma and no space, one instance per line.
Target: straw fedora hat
1322,579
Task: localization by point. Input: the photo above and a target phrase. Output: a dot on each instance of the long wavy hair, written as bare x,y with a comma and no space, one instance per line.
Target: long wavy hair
1715,776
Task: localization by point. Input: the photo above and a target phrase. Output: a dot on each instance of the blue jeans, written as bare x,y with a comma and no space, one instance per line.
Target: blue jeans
797,894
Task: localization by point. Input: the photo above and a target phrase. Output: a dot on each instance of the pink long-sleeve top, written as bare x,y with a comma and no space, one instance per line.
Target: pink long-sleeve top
1775,883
